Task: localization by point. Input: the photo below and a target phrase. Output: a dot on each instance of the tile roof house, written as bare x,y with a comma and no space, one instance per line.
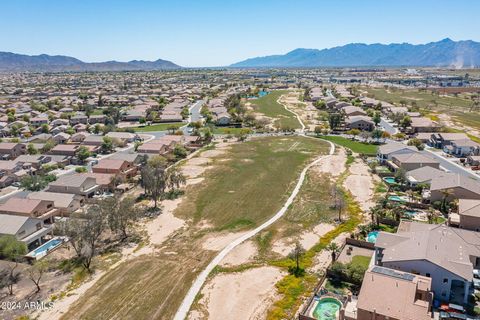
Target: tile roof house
387,151
414,160
41,209
11,150
468,215
26,229
423,175
116,167
454,186
65,203
446,255
409,296
363,123
79,184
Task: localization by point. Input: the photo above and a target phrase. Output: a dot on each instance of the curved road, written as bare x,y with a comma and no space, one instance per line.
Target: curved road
187,302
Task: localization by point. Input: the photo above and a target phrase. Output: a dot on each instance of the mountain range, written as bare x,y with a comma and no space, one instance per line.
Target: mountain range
45,63
444,53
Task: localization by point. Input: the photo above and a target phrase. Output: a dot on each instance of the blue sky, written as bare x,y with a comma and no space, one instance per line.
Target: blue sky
215,33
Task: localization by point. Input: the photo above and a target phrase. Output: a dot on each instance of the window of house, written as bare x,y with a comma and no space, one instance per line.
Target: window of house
445,280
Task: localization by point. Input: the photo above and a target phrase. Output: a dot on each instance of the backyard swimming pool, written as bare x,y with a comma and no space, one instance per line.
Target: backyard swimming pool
372,236
327,309
45,248
390,180
397,198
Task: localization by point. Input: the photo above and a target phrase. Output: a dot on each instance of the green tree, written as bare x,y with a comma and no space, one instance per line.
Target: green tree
82,153
334,120
296,255
121,215
180,152
31,149
107,145
334,250
376,118
13,250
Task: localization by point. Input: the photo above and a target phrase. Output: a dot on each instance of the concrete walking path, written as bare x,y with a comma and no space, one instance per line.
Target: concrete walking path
197,285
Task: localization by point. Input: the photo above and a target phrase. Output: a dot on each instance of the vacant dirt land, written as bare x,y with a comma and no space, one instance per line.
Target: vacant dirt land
244,295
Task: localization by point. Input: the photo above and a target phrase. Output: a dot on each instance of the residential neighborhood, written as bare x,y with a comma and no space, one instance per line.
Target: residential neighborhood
260,160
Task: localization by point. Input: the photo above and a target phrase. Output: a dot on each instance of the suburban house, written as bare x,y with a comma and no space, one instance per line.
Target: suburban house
412,161
78,184
41,209
387,151
124,137
446,255
462,148
454,186
64,202
11,150
392,294
441,139
116,167
468,215
29,230
421,124
93,140
351,111
94,119
362,123
79,119
104,181
423,175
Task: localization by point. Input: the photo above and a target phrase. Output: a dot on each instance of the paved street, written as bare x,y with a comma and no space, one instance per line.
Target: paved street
448,165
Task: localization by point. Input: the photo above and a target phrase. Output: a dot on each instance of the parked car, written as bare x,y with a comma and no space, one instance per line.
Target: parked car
476,273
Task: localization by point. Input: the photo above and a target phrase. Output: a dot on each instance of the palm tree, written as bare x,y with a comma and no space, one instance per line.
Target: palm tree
334,250
446,193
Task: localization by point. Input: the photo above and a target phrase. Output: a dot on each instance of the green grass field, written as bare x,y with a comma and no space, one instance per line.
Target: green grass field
159,127
269,106
253,184
227,130
355,146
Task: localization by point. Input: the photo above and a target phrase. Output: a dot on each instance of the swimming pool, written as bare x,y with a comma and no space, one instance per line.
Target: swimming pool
411,213
327,309
372,236
397,198
390,180
44,248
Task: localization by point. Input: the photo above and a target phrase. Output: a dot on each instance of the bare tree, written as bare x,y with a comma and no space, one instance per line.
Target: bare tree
36,272
93,227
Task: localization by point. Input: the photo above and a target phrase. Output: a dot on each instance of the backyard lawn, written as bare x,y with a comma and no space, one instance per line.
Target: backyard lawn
159,127
269,106
355,146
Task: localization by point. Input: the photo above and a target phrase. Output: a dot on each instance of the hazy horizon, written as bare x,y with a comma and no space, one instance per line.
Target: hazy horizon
213,33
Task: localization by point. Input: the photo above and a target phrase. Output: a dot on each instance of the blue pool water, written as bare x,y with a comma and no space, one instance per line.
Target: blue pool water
389,180
327,309
396,198
410,213
47,246
372,236
260,94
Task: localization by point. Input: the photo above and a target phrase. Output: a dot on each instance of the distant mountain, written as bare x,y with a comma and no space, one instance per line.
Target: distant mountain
20,62
443,53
